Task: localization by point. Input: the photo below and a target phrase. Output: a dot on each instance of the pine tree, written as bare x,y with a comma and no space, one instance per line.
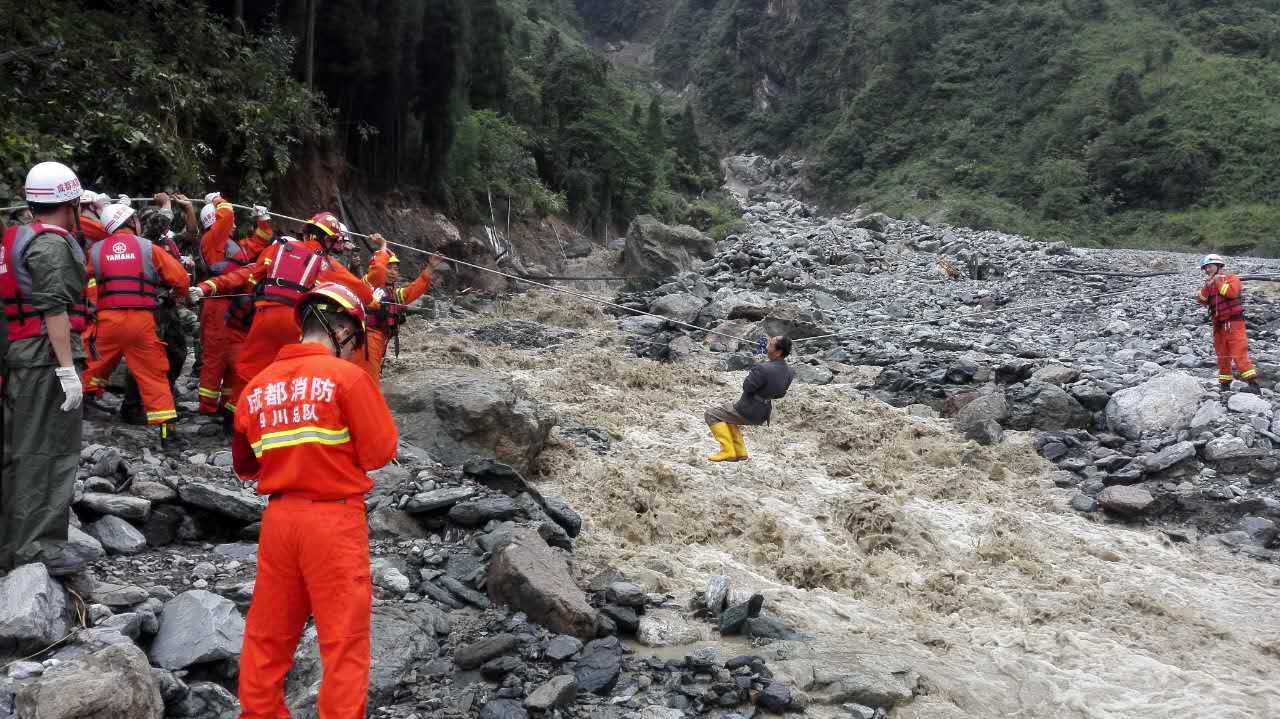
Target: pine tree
653,130
490,62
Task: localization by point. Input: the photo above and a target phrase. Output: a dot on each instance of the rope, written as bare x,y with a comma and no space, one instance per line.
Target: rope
985,313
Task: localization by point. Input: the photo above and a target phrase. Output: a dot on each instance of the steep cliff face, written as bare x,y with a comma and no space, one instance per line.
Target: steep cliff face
1136,121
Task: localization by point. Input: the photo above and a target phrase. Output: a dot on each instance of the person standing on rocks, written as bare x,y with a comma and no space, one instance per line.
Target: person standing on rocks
307,429
765,382
42,287
386,318
1222,293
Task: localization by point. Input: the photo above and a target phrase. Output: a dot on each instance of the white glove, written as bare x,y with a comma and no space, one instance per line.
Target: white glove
188,261
211,197
194,295
121,200
260,212
71,387
379,293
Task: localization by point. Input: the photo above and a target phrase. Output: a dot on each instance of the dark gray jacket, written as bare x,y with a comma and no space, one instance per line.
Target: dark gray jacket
766,382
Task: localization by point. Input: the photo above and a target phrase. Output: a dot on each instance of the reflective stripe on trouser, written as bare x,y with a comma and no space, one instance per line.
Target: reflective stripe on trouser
274,327
221,349
131,334
175,348
1231,343
313,560
377,350
41,455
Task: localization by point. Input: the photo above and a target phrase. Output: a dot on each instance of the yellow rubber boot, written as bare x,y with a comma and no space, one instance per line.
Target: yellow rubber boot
739,444
720,431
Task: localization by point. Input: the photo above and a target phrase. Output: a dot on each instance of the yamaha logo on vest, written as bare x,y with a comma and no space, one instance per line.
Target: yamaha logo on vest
121,252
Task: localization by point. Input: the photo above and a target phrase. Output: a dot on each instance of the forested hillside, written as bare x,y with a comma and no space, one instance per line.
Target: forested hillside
1150,122
456,100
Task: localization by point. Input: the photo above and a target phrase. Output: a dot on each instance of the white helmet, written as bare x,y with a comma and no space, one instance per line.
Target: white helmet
207,215
1212,260
115,216
52,183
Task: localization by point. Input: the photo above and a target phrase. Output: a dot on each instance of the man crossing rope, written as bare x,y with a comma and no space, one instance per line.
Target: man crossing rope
765,382
132,274
307,429
282,275
386,318
1222,293
42,288
224,322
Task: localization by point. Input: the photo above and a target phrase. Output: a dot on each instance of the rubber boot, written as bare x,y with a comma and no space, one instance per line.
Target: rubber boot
1254,387
720,430
169,439
739,443
1224,386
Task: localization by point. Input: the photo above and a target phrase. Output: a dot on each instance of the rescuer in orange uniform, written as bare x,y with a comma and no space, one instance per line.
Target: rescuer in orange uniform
130,273
386,318
1222,293
307,429
283,274
224,321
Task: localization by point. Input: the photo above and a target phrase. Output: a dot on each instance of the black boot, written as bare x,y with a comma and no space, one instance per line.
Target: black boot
1254,387
169,439
228,423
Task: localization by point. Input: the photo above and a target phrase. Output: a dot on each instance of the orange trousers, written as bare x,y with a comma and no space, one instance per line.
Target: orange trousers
313,560
221,346
1231,342
274,326
131,334
370,358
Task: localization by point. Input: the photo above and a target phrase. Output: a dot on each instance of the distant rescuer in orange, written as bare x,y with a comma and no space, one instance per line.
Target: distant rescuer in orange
131,273
224,321
385,319
307,429
1222,293
285,271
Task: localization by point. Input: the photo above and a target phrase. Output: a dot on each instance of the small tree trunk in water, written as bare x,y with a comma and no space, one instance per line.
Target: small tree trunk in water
309,73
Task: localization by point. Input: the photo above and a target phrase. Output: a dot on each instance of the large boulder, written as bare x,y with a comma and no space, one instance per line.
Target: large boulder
458,414
114,682
1044,406
981,419
731,304
33,610
403,638
116,535
197,626
655,251
1163,404
682,307
795,322
1125,500
529,576
235,504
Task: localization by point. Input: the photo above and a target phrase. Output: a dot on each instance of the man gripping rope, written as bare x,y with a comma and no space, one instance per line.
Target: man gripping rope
282,275
307,429
1222,293
386,318
765,382
42,288
131,275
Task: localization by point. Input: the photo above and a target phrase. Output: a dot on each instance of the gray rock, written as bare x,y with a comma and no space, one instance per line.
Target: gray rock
600,665
564,515
128,624
563,647
655,251
172,689
730,304
682,307
233,504
1260,529
458,414
117,595
734,619
503,709
477,512
625,618
387,523
1163,404
79,551
1125,500
498,667
205,700
438,499
975,421
665,628
1210,413
1084,503
716,595
559,691
1227,448
403,637
1248,404
870,688
1056,374
116,535
114,682
116,505
1169,456
811,374
529,576
463,592
33,610
197,627
1045,407
625,594
775,698
475,654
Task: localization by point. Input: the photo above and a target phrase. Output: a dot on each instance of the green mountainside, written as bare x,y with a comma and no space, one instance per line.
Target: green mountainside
1124,122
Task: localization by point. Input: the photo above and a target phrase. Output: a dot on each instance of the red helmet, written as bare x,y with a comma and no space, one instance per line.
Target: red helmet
327,223
333,297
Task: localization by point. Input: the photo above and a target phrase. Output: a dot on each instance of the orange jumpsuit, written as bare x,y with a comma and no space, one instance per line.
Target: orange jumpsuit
307,429
131,333
1222,293
93,230
274,323
385,320
222,341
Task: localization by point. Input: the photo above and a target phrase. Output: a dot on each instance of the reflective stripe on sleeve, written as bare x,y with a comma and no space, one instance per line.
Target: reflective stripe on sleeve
300,435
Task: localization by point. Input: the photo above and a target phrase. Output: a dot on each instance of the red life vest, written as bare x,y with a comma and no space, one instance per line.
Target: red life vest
233,257
389,314
125,270
1226,309
292,275
24,321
